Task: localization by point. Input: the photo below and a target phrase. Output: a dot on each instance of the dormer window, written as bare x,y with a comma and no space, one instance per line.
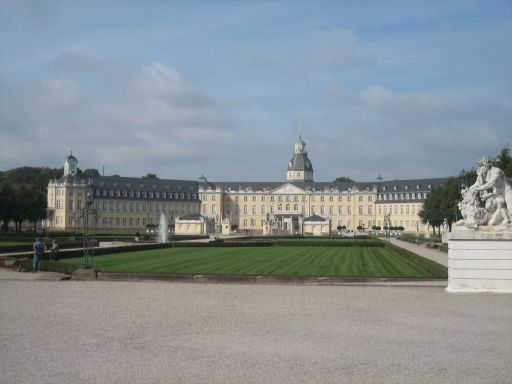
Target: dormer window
394,188
417,186
430,186
406,187
384,188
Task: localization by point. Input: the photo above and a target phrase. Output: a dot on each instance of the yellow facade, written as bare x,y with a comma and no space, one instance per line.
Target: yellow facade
119,203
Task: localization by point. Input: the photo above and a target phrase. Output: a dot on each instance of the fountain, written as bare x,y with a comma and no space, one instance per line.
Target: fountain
162,229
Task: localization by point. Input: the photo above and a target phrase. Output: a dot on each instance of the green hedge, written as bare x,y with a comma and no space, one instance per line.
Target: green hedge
431,267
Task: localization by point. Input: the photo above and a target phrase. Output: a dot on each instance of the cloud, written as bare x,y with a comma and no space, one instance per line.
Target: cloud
322,50
410,135
153,114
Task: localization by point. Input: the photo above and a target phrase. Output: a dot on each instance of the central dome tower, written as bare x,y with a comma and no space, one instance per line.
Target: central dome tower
299,167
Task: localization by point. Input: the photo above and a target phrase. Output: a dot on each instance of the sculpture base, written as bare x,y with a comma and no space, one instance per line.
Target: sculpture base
480,261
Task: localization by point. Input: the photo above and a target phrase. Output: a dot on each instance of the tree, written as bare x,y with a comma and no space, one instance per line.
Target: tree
441,203
150,176
91,172
343,179
504,161
7,205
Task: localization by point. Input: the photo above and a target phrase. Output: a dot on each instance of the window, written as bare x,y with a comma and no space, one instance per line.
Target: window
370,210
370,198
401,209
313,210
331,210
360,198
340,210
254,209
280,207
70,204
262,209
205,209
406,209
214,208
245,209
254,198
245,197
331,198
360,209
321,199
271,209
349,210
321,209
295,207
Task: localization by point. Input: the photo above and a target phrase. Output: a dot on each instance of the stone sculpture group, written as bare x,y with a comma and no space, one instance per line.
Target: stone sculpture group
494,192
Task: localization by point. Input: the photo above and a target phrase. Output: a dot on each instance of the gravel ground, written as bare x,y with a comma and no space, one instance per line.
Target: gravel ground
148,332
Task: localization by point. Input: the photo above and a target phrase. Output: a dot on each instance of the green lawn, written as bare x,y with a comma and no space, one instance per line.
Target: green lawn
267,261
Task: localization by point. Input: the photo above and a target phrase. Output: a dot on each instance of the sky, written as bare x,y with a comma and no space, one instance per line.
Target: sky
407,89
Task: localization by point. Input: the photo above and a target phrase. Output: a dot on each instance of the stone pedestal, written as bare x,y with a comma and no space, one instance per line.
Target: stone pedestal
85,274
480,261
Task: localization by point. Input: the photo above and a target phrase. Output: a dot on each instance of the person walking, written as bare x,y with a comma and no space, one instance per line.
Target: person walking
39,250
54,251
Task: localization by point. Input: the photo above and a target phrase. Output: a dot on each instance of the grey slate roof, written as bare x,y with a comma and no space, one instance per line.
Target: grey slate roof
192,216
382,187
300,162
315,218
144,184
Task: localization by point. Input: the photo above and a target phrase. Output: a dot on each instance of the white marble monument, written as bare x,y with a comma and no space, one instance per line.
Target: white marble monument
480,247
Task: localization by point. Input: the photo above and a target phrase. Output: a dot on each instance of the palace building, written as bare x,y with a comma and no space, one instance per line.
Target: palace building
297,206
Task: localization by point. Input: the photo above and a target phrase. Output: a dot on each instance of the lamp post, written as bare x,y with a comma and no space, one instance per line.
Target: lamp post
387,223
88,233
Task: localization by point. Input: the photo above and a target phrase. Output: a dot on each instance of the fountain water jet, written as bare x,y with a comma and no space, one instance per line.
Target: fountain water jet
162,229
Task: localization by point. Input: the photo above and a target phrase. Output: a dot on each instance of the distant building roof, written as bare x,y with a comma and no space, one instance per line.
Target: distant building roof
191,217
315,218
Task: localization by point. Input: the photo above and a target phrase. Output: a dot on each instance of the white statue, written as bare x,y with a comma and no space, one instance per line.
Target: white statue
417,228
445,225
427,233
492,189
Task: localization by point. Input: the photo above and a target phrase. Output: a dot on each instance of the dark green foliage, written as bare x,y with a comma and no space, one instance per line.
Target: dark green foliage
34,177
150,176
504,161
343,179
89,172
441,203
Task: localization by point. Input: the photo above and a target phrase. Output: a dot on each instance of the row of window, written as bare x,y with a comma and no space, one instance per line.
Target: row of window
429,186
399,209
402,196
288,198
145,194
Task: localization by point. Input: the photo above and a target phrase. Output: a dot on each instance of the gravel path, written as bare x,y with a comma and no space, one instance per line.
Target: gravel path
429,253
147,332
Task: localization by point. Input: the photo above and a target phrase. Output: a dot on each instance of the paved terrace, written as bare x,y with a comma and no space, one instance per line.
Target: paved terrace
148,332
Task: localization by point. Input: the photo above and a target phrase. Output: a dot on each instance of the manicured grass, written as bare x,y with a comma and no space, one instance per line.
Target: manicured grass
266,261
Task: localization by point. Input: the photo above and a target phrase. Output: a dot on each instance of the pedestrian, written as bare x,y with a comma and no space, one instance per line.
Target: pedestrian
54,251
39,250
137,235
